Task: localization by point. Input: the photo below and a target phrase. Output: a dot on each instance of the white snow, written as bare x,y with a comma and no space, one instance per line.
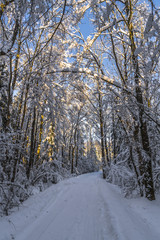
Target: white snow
83,208
149,24
138,51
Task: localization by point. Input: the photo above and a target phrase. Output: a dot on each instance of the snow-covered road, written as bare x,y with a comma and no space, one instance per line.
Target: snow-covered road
83,208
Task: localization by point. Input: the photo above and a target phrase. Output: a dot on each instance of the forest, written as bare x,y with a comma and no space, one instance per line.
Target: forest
71,104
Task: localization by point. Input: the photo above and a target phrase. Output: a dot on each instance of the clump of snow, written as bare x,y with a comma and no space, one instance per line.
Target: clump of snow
138,51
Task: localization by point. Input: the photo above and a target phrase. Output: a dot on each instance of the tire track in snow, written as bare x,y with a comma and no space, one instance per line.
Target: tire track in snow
106,214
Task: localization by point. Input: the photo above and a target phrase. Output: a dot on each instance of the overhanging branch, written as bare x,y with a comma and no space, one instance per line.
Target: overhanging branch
90,73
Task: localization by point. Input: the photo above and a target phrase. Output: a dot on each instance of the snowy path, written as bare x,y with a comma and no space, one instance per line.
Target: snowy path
83,208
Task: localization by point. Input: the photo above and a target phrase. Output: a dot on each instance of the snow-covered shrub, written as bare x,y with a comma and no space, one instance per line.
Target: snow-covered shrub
48,173
123,177
42,176
156,179
11,195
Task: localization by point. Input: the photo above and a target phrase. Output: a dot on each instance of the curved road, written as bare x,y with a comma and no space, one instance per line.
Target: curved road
86,208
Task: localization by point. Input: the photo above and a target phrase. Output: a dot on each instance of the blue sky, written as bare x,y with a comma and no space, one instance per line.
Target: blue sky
157,2
87,28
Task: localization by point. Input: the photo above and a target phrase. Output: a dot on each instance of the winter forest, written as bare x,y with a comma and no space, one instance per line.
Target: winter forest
71,104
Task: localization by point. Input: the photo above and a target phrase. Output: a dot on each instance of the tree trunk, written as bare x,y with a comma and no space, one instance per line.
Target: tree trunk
31,157
146,161
102,133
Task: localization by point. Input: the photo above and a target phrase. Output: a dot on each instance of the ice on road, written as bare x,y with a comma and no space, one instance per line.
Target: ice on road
83,208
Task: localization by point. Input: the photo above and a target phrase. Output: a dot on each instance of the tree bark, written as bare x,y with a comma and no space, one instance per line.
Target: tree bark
31,157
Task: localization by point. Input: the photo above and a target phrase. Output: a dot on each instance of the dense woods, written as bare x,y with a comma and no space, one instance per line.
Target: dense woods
71,104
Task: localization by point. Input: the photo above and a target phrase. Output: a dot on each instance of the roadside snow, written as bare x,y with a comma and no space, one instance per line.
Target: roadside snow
83,208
